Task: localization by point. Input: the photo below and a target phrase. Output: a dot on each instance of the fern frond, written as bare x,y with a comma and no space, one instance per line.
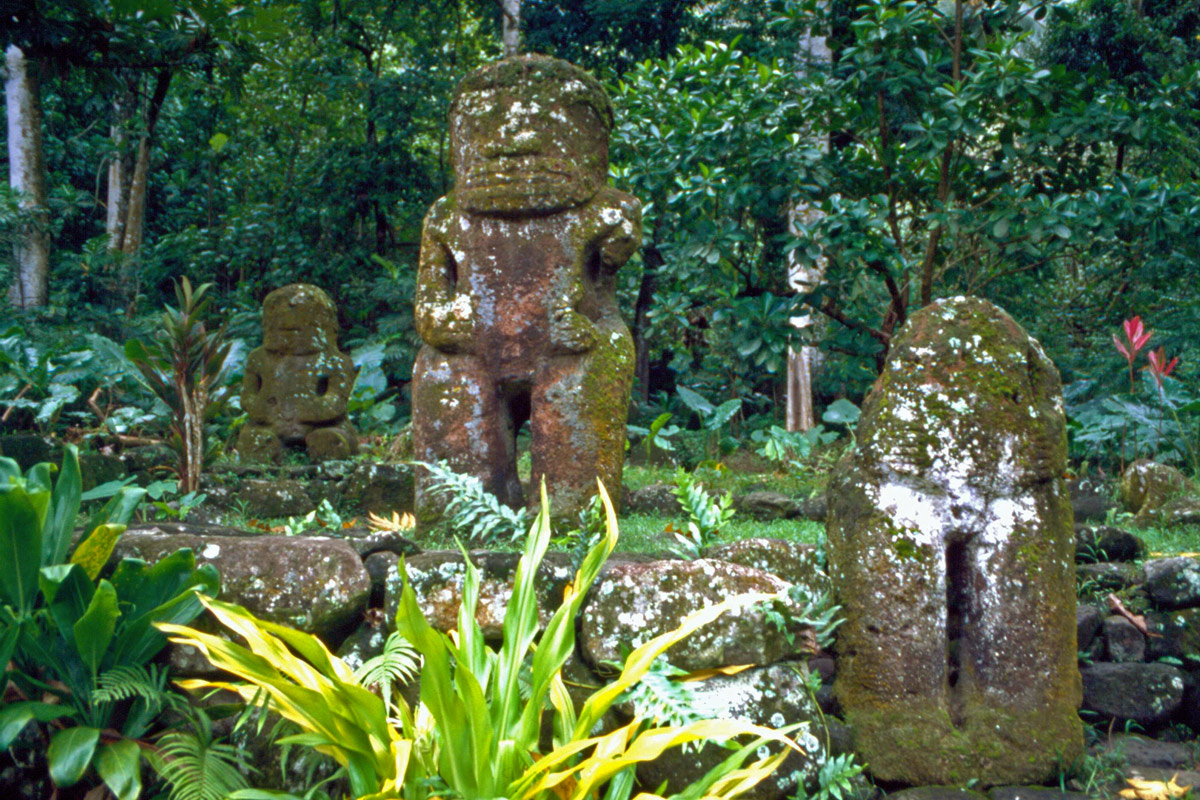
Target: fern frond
472,508
198,767
397,664
129,681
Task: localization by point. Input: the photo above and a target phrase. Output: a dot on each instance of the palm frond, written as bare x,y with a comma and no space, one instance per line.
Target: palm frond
398,663
197,766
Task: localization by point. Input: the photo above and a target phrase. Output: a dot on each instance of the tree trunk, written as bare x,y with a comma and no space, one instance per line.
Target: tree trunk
27,176
651,261
119,173
512,27
136,215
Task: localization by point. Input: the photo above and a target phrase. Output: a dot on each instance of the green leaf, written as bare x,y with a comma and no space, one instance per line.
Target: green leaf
15,716
841,412
218,141
69,754
67,592
21,518
1001,228
94,630
119,767
723,413
694,400
64,507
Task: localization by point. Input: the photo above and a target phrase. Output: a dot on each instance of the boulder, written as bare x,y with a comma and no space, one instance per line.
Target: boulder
1175,634
1173,582
1107,577
277,498
381,488
766,505
632,602
437,580
1087,625
97,468
312,583
1091,501
951,549
1146,485
1147,694
937,793
1033,793
772,696
1181,510
1123,641
28,449
657,498
1099,543
794,562
1140,751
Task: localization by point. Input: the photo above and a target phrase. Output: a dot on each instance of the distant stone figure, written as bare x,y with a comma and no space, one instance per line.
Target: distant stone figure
297,385
951,548
516,292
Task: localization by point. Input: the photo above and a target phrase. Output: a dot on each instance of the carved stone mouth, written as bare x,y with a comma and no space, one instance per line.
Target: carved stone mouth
484,180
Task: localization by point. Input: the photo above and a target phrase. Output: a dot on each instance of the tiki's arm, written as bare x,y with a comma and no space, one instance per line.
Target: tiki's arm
443,316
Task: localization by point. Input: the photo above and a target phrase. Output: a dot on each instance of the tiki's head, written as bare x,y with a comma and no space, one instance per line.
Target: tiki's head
529,136
299,319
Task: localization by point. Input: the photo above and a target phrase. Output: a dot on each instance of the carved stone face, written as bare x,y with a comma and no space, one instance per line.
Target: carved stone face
529,136
299,319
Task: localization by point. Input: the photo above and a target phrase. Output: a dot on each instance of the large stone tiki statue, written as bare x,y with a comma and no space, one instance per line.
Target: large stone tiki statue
516,295
951,548
297,385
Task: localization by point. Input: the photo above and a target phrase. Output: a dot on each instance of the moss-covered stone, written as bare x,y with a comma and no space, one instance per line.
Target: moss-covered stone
297,386
516,291
951,549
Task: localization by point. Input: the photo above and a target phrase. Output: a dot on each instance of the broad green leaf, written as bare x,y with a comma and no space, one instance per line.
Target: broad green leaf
94,630
64,507
21,519
119,766
841,412
722,414
94,551
694,400
67,592
69,754
15,716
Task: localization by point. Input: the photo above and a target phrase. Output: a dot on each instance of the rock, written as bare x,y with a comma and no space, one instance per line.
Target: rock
773,696
437,580
793,562
1140,751
815,508
1173,582
1087,625
767,506
381,489
280,498
657,498
1182,510
380,567
1123,641
1175,634
97,468
1147,694
28,449
1107,577
936,793
366,541
297,385
1107,543
516,291
1033,793
1090,501
146,459
312,583
951,549
1146,485
364,643
632,603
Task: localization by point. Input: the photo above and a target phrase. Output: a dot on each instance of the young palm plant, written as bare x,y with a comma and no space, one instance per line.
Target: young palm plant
475,733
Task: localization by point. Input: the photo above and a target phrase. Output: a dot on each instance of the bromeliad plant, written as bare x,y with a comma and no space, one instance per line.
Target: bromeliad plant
77,646
475,732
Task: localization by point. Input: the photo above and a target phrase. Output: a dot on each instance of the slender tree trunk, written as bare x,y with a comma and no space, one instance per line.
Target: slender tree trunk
512,27
119,173
27,176
651,261
135,218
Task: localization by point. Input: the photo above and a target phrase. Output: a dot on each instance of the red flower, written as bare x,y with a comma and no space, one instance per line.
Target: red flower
1159,366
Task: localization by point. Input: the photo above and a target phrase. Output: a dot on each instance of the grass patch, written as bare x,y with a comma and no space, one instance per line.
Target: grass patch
645,533
1175,540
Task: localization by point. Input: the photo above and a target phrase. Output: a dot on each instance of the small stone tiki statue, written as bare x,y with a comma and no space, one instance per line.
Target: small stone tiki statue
516,293
297,385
